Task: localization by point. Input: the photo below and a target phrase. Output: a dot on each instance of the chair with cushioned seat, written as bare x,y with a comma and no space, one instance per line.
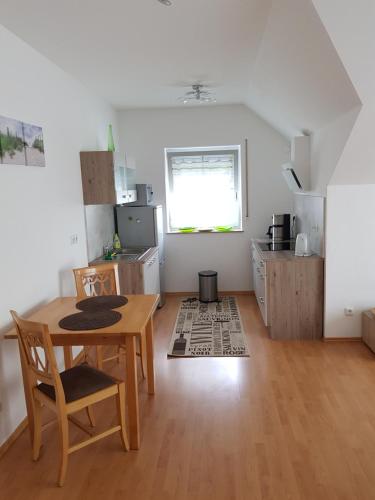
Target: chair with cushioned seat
64,393
102,279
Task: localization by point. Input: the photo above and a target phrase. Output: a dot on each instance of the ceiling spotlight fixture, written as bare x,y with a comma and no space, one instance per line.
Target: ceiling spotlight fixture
197,94
166,2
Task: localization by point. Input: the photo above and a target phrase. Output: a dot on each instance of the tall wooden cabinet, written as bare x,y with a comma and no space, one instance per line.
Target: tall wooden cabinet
289,291
106,179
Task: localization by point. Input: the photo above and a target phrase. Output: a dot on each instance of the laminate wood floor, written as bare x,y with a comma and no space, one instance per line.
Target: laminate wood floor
296,420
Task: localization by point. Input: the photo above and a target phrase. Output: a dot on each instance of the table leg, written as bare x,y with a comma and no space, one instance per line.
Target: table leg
28,396
68,356
142,344
150,356
132,392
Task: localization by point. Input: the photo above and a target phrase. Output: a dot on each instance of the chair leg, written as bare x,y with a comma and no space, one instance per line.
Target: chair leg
37,429
119,354
64,447
120,401
90,415
142,351
99,357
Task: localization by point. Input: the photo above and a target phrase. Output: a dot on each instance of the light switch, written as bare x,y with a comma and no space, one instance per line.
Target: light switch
74,239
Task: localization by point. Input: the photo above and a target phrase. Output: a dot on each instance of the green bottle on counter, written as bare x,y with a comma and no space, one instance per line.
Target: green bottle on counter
111,144
116,242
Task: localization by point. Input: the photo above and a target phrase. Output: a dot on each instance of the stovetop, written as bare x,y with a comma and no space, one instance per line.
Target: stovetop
276,246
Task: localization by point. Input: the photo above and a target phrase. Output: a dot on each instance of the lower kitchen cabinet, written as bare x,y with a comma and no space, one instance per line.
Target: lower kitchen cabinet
151,277
259,279
289,291
139,277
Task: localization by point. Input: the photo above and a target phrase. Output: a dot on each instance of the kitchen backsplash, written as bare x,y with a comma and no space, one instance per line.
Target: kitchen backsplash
310,218
100,226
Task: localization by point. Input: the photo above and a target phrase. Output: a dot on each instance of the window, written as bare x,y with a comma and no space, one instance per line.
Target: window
203,187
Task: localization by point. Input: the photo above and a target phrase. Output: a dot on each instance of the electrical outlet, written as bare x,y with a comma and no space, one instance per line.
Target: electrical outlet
349,311
74,239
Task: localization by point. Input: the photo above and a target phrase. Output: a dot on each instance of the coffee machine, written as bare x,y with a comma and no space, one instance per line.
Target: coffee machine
280,228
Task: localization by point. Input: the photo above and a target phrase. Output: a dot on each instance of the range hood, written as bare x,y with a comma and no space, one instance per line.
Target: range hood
299,162
291,177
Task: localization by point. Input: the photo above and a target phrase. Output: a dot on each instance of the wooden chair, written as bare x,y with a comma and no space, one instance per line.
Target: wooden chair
64,393
102,279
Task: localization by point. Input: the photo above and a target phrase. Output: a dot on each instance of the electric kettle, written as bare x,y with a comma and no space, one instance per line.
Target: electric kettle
302,248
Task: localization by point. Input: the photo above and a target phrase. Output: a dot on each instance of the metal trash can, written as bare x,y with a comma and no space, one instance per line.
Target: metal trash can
207,286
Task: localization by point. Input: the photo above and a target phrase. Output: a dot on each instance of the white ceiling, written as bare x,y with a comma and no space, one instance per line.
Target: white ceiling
274,56
298,81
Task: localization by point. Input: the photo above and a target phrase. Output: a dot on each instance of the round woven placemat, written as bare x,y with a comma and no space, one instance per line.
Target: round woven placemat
102,302
90,320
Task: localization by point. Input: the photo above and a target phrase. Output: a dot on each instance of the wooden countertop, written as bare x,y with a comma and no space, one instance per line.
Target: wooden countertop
149,253
286,255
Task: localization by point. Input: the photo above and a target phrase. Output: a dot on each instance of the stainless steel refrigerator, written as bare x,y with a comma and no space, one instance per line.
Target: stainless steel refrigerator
143,227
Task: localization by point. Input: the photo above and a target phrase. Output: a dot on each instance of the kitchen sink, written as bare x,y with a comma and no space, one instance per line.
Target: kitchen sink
132,251
129,254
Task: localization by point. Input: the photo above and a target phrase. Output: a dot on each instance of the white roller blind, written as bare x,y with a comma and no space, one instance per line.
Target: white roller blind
203,190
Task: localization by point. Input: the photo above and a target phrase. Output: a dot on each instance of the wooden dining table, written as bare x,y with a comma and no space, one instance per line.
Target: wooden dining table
136,321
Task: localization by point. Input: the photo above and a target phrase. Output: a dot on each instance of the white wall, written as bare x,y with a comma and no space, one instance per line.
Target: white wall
40,207
310,218
145,134
100,227
327,145
350,275
350,270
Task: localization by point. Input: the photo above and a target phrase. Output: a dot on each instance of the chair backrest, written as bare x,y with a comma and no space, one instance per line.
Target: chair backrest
37,352
97,280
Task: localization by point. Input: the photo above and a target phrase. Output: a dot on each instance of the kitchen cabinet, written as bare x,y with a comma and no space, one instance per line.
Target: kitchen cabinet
140,276
259,279
151,278
368,329
106,179
289,292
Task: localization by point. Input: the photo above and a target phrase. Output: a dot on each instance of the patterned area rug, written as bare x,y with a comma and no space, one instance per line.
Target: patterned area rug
213,329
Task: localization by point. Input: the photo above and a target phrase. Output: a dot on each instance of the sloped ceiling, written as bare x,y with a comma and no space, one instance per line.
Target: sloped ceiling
298,82
274,56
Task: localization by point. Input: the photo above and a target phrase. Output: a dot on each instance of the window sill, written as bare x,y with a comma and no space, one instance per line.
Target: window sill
207,232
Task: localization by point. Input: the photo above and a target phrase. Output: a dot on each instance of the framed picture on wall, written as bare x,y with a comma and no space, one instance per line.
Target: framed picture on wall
21,143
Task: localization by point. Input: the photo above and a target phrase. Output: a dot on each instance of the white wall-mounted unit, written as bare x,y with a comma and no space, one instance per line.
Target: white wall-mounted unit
297,171
291,177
